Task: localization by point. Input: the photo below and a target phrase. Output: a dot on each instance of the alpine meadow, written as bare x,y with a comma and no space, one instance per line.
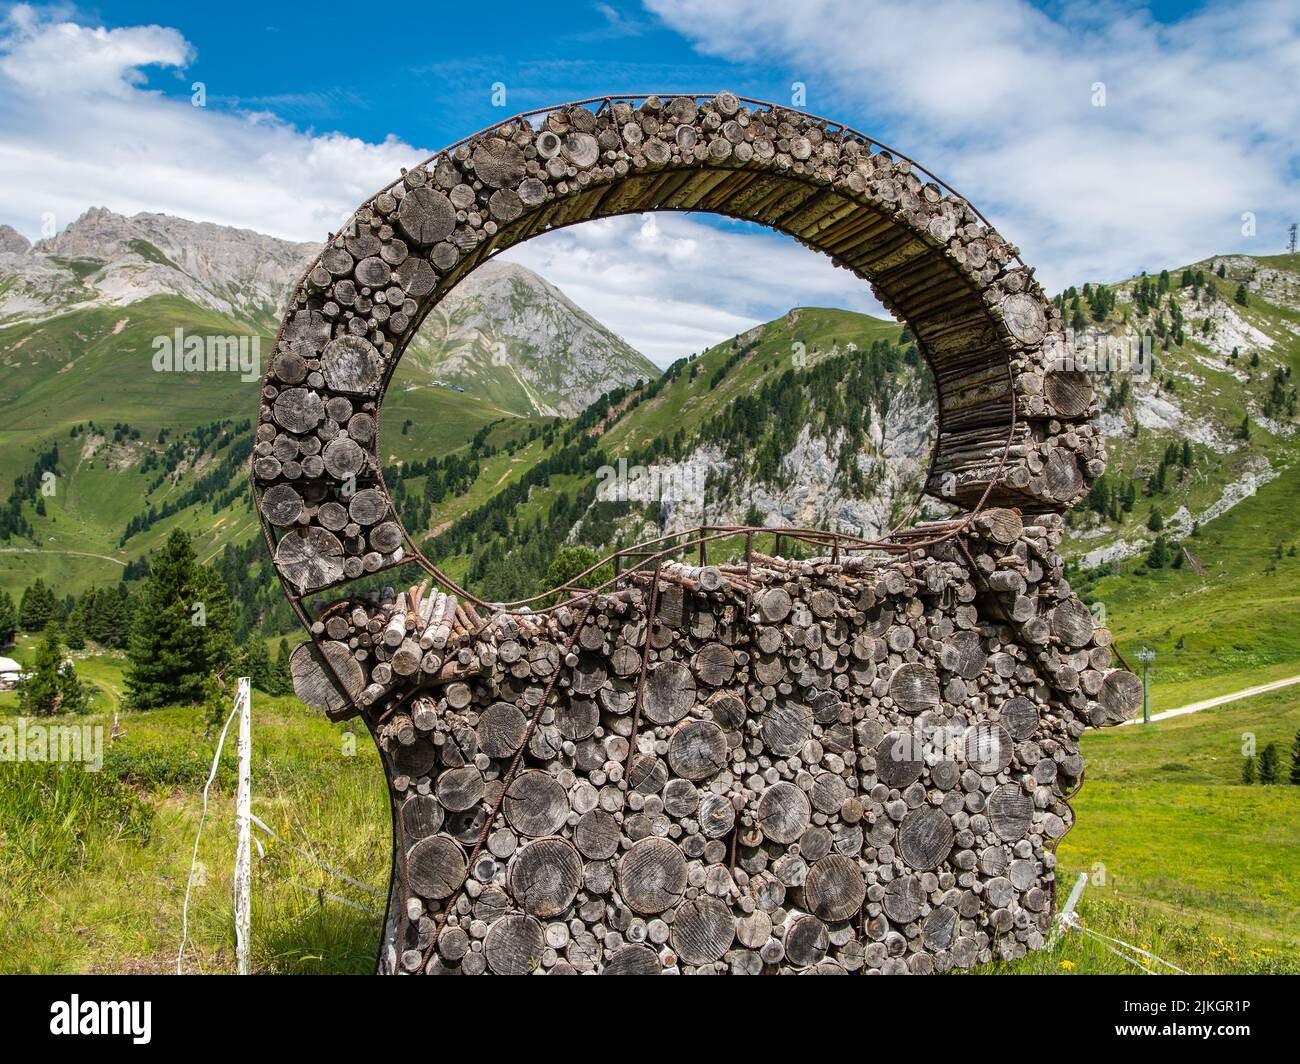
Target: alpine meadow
726,453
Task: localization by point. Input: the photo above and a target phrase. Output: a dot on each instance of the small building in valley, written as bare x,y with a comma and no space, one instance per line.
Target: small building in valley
10,673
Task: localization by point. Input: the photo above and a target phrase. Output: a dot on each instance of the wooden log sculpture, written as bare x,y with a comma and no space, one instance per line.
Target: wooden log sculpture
857,763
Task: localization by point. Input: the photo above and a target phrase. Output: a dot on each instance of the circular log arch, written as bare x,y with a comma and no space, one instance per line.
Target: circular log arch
1012,430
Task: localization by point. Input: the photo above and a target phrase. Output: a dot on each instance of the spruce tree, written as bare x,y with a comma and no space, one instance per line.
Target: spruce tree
254,661
1295,760
1248,770
38,607
8,616
74,630
283,678
181,629
51,686
1269,764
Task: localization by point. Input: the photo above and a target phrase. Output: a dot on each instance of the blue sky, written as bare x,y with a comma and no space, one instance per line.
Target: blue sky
1101,138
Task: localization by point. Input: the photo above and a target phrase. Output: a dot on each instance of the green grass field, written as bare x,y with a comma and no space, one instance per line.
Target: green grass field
95,864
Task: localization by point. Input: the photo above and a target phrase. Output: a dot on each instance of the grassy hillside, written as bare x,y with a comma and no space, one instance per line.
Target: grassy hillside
95,864
1185,860
1234,624
502,547
1219,410
84,382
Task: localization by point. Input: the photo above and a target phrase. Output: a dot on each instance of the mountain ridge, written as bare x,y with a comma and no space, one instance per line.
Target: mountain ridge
504,330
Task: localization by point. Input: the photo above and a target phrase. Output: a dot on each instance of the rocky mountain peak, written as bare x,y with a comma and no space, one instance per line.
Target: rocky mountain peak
504,333
13,242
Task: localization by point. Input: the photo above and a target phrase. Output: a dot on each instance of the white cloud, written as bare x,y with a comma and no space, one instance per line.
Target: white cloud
55,58
1201,123
78,130
671,285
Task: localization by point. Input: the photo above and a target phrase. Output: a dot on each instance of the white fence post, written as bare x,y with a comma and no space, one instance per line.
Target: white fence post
243,855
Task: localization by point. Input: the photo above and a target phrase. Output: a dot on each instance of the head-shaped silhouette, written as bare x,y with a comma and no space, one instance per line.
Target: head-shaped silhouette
858,762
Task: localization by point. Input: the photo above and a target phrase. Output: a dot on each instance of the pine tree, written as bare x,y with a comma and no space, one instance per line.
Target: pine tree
1242,296
1295,760
38,607
1269,764
1248,770
181,629
51,686
570,561
1156,522
74,630
1158,556
283,678
254,661
8,616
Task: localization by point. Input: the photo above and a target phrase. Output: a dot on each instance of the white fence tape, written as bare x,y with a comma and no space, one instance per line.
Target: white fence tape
194,859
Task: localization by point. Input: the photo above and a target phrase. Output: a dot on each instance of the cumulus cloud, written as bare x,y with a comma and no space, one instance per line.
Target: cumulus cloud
1200,122
79,129
672,285
52,58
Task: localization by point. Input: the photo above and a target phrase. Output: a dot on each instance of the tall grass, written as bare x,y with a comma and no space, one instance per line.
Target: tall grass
55,820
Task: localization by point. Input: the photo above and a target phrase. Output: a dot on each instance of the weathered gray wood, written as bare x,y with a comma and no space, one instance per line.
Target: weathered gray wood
1010,812
786,727
596,835
988,748
898,762
777,757
925,838
282,505
783,813
652,876
632,960
426,216
514,945
319,673
914,688
435,867
544,876
697,750
1072,623
1020,717
715,664
1121,696
834,889
501,729
536,804
311,558
703,931
806,942
669,692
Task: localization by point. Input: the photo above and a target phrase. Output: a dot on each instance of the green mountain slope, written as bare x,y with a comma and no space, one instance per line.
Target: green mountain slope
518,342
821,417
